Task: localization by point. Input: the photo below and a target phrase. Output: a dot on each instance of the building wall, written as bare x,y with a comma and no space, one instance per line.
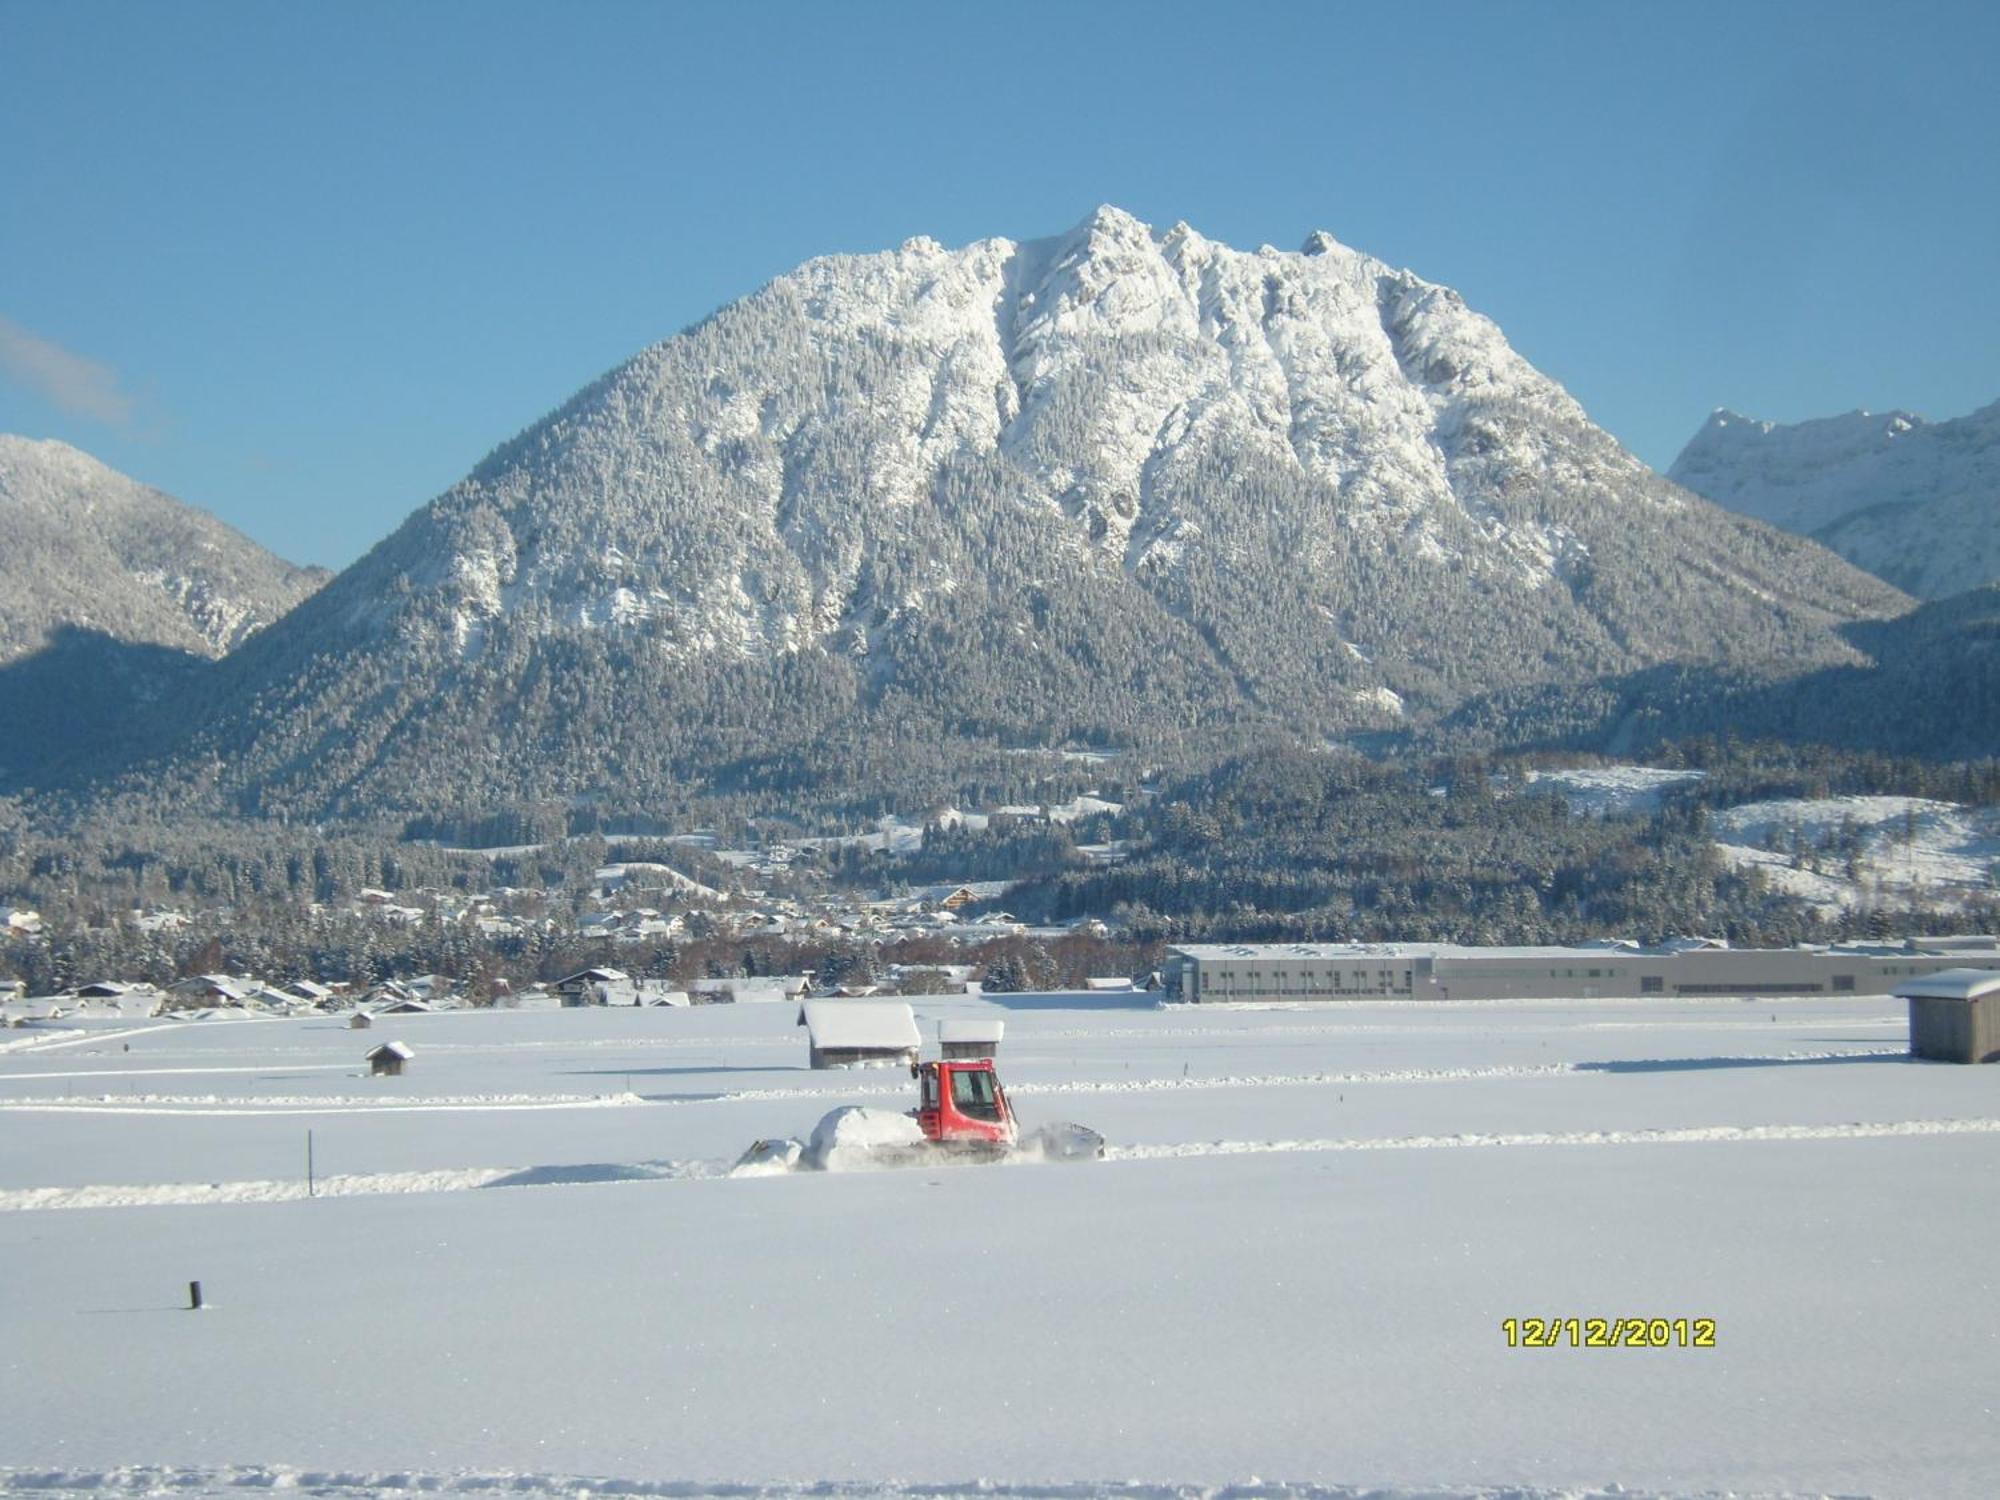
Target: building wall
1268,974
861,1057
1961,1031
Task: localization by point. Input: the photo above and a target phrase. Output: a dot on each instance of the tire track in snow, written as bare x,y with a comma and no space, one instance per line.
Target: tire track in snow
1172,1084
349,1185
1033,1089
355,1484
462,1179
194,1105
286,1068
1859,1130
36,1045
834,1091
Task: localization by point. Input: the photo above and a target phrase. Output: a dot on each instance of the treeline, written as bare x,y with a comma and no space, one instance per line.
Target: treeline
339,948
1291,846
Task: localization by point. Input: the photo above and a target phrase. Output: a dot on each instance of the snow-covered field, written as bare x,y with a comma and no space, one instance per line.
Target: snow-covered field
525,1261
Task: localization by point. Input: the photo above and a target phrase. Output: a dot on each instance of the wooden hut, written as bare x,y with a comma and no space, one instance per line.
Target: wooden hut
860,1033
970,1036
360,1021
389,1059
1954,1015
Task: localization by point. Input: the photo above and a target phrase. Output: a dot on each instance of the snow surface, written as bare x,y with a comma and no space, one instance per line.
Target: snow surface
1604,790
1294,1262
1911,851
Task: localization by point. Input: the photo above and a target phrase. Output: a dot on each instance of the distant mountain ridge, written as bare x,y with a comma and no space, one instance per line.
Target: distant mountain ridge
85,548
1914,502
1114,486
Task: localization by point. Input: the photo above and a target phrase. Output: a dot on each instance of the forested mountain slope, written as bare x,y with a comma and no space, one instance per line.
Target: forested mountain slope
1116,486
1928,685
84,547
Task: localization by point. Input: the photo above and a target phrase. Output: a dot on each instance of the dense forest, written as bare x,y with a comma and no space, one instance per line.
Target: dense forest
1282,843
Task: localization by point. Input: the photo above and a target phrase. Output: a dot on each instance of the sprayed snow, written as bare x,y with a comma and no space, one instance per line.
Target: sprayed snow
850,1138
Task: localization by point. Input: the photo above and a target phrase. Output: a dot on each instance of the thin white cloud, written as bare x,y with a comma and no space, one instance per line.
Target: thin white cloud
80,386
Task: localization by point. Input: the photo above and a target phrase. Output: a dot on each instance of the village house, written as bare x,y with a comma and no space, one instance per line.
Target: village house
18,921
211,990
764,989
591,986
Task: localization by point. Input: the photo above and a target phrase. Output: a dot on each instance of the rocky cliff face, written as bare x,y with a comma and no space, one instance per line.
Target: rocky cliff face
1112,485
1914,502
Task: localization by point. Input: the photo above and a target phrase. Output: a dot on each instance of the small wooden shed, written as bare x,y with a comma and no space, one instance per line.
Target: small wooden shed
860,1033
1954,1015
970,1036
389,1059
360,1021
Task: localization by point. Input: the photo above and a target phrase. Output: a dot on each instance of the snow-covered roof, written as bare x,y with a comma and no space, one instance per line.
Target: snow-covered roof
764,988
987,1029
595,976
887,1025
1950,984
392,1049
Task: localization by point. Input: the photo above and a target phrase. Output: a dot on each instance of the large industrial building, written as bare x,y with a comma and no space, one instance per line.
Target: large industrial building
1212,973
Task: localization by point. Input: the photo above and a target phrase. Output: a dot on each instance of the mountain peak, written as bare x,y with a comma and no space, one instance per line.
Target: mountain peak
1110,222
1909,500
91,549
1101,486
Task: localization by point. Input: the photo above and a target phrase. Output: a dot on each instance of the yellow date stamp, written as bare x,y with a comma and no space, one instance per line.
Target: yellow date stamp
1608,1333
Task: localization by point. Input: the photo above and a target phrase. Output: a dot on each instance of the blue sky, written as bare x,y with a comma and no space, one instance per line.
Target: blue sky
304,264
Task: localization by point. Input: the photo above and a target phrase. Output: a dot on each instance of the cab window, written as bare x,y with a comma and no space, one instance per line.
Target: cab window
972,1095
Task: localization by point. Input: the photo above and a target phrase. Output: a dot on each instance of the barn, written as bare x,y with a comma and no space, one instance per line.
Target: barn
389,1059
1954,1015
860,1033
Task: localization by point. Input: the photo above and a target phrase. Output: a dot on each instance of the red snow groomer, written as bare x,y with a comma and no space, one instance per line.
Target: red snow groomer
962,1115
961,1106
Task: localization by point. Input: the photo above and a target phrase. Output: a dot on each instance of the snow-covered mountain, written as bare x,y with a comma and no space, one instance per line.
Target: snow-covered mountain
1914,502
85,547
1117,485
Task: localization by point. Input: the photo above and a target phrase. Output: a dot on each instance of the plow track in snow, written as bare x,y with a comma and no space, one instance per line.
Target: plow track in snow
334,1484
579,1174
1697,1135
